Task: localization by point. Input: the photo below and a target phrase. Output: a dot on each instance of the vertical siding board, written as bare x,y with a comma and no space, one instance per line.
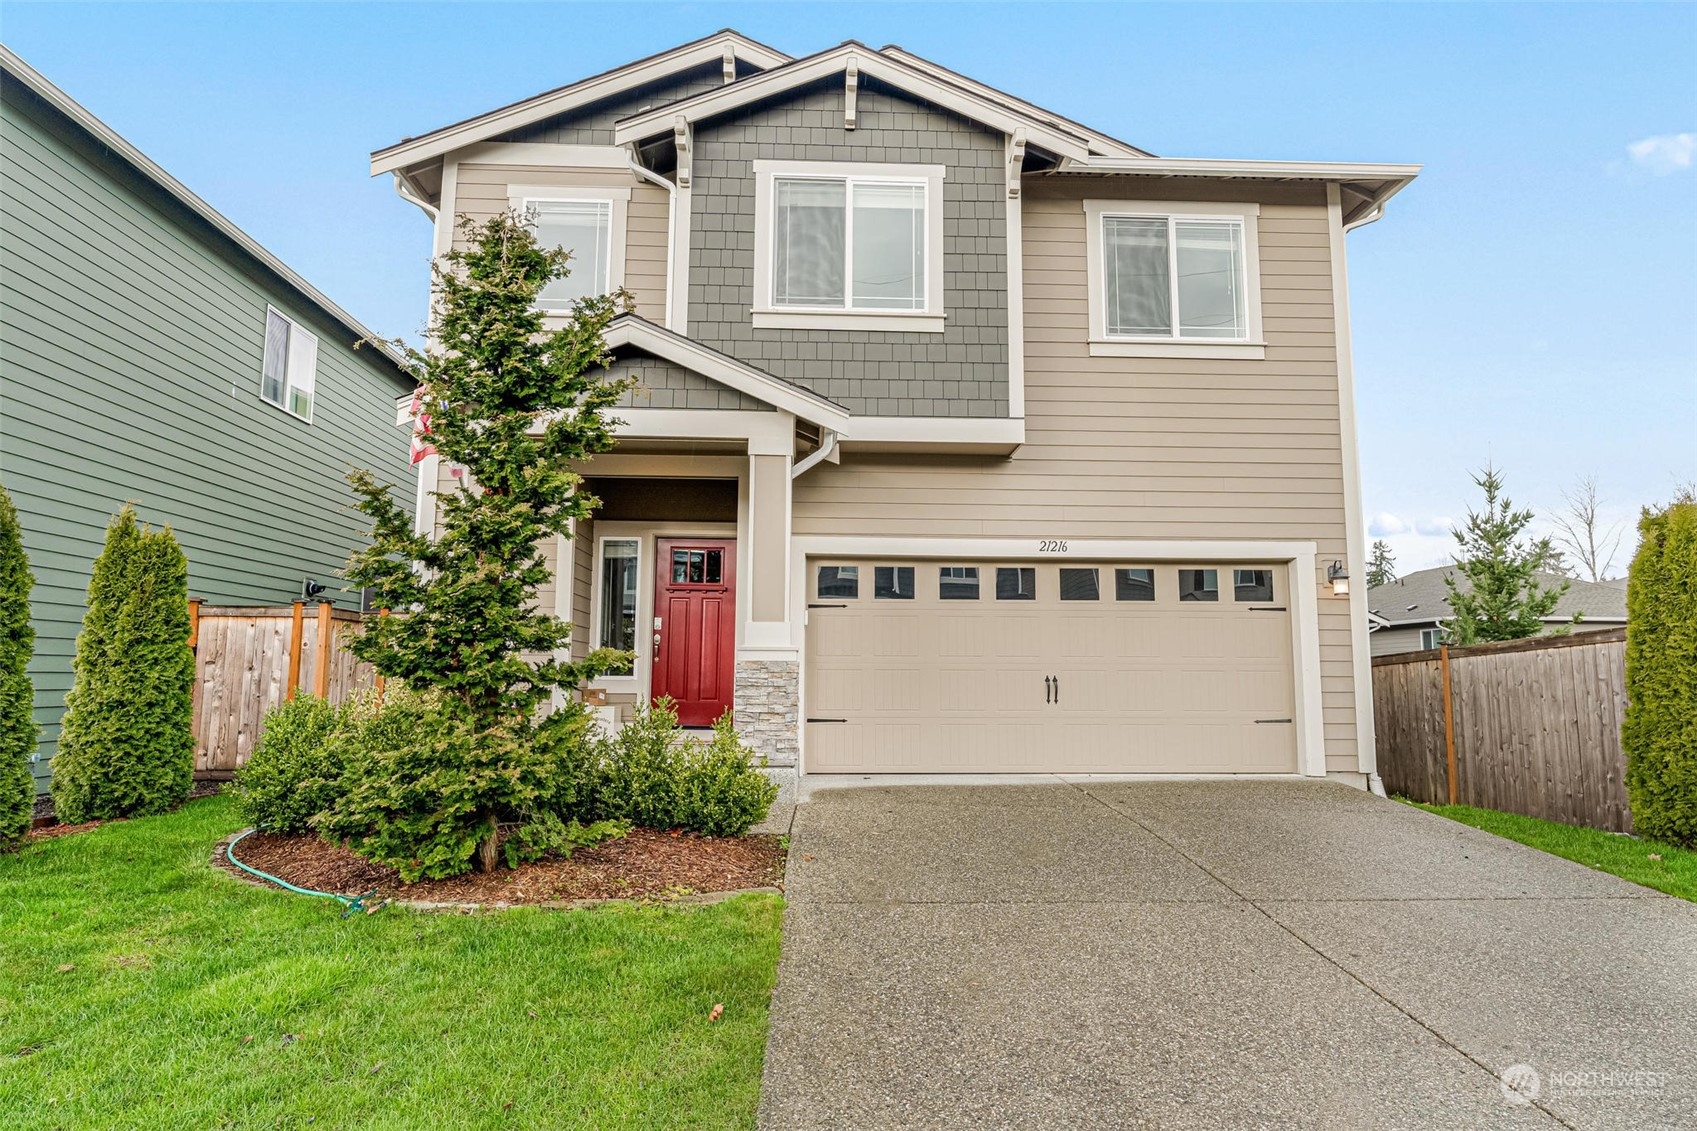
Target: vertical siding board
1537,726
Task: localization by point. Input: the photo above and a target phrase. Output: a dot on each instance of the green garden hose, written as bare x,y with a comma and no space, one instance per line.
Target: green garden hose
350,904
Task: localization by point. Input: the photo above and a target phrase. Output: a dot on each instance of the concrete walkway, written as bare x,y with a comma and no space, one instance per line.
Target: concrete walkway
1088,954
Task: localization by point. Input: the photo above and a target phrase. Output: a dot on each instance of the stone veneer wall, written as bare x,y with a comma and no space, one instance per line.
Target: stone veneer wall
767,706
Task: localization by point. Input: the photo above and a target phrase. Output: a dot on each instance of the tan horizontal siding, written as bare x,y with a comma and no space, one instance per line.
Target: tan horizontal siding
482,192
1166,448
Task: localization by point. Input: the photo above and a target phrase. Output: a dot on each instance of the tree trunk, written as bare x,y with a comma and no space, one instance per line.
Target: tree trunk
486,854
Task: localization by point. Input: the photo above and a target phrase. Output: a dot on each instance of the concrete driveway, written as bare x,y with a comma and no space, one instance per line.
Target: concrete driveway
1090,954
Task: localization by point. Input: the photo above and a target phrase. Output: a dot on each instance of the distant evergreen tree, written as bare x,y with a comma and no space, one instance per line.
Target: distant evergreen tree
1503,599
1381,567
17,697
127,744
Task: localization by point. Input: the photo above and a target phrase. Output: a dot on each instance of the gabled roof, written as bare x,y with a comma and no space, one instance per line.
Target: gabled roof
639,333
1423,598
975,102
653,68
1099,142
31,79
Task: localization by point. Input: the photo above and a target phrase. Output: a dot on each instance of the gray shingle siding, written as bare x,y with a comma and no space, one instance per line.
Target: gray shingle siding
131,344
593,124
960,372
664,384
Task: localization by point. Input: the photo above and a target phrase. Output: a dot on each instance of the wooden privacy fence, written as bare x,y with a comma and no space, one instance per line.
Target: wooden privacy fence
249,659
1532,726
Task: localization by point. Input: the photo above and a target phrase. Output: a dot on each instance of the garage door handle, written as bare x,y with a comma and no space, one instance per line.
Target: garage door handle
827,720
1265,609
1273,720
1048,689
812,606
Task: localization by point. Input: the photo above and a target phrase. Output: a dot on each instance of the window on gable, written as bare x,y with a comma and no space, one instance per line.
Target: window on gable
848,243
1173,277
585,229
289,375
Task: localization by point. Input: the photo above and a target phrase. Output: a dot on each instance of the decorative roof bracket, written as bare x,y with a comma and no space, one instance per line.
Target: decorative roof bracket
681,138
730,65
851,88
1016,160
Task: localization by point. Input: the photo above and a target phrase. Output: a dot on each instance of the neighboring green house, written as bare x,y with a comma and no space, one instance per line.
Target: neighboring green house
151,352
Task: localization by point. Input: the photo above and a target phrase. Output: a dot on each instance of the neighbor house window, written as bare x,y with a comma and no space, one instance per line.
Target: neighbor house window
290,372
589,223
618,597
1172,274
847,240
1430,638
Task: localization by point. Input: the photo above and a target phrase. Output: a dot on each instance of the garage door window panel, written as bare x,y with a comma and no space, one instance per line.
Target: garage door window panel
1080,585
839,581
1016,583
1134,584
1198,585
892,583
1252,584
957,583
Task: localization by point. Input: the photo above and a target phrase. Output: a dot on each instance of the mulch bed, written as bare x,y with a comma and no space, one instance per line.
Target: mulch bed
45,823
644,865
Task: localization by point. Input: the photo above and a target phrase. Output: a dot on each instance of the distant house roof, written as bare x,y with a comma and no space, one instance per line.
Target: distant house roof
15,69
1422,598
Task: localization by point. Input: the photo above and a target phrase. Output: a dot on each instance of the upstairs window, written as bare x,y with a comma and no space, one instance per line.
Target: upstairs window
290,373
1173,278
587,222
844,245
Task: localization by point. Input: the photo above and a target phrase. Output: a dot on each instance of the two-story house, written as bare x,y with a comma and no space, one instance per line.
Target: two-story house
153,353
969,438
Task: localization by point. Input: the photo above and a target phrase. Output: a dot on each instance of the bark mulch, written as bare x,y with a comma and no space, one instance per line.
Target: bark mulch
45,823
645,864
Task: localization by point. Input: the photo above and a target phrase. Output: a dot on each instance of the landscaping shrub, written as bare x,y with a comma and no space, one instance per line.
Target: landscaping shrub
295,772
127,743
17,696
424,790
650,774
1660,730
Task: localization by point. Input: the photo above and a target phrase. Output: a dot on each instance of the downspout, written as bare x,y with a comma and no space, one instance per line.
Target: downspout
827,447
404,189
648,174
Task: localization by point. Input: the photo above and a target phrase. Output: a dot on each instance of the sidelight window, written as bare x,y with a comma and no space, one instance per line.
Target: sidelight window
617,628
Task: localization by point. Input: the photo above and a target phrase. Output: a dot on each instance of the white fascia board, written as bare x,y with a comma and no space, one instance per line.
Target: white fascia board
1269,170
567,98
38,84
896,73
766,433
545,154
1078,549
732,374
934,429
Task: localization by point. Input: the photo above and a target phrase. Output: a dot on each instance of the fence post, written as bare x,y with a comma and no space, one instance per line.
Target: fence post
321,662
194,622
1449,720
295,652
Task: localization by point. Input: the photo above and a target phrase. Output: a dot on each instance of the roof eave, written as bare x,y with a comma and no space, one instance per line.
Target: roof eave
1376,183
38,84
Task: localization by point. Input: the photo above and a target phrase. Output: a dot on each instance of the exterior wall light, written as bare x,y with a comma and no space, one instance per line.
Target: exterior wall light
1339,577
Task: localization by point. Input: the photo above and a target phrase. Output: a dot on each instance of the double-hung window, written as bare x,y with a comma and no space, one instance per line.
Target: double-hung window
290,373
590,224
840,246
1173,278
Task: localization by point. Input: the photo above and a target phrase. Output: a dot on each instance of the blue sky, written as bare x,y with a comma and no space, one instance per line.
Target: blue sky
1531,300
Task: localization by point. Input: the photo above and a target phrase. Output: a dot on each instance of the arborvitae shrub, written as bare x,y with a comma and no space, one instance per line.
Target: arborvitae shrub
127,744
1660,731
17,697
295,772
650,773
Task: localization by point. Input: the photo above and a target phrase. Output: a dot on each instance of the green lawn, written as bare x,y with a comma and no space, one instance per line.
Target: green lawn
140,987
1659,866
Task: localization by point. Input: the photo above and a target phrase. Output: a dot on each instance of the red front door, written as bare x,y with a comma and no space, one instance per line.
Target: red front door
695,627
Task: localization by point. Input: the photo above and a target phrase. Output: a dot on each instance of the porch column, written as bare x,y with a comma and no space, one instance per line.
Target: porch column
767,699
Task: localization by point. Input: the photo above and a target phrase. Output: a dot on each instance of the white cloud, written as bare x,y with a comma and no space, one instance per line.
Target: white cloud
1665,153
1432,526
1385,524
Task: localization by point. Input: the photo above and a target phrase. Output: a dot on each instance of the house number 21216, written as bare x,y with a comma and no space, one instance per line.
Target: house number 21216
1052,546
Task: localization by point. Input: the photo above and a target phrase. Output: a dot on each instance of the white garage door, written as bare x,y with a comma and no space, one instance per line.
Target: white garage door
1088,667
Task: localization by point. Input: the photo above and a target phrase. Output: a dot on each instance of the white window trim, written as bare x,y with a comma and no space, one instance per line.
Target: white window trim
295,328
1102,344
596,584
521,197
767,315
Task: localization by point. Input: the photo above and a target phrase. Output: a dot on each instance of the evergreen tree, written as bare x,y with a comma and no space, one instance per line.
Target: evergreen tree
517,406
17,697
127,743
1381,567
1660,729
1503,599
